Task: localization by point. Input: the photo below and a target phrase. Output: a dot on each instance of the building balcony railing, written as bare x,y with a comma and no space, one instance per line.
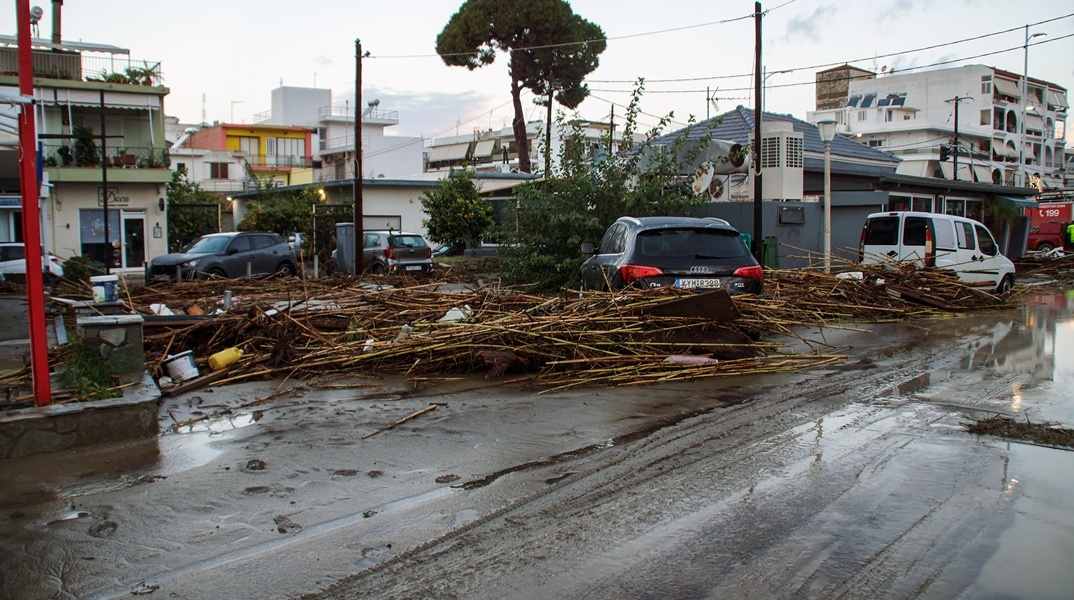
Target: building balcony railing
371,113
278,161
131,157
73,66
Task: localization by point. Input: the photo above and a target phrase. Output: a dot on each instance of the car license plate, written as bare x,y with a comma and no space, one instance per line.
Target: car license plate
412,268
696,283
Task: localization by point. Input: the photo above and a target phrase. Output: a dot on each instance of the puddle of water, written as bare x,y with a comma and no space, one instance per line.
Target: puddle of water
219,425
1032,557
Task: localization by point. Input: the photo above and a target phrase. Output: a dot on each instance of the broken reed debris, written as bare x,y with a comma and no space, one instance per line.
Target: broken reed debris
1048,434
305,328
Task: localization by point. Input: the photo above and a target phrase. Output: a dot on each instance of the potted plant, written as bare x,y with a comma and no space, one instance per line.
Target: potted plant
86,153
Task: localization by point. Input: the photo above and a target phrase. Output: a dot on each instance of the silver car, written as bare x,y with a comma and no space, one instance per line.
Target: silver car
396,252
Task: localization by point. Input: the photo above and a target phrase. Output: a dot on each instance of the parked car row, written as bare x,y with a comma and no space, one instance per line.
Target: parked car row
13,260
226,255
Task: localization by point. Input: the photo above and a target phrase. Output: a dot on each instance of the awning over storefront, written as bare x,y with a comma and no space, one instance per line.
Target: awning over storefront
484,148
964,173
1034,122
1000,149
93,98
1007,87
982,173
448,152
915,168
1059,100
1018,202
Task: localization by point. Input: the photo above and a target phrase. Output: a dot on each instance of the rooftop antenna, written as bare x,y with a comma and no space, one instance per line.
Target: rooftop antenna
203,120
35,17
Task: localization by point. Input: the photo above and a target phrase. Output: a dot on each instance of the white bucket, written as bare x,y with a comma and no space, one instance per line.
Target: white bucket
104,288
181,366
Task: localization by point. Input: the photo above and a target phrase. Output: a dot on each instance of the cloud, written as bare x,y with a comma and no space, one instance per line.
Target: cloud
425,114
811,26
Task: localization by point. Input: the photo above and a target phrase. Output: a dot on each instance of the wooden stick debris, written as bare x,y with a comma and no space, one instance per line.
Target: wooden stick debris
412,415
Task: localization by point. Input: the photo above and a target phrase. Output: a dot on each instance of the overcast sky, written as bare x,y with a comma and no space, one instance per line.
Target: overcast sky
221,59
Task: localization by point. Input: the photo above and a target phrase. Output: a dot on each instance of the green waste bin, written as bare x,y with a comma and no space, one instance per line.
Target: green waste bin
770,252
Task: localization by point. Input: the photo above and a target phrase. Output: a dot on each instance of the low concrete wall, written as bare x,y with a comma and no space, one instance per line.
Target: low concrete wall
41,429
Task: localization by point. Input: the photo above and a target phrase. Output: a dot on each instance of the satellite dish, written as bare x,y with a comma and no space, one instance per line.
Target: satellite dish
702,178
716,188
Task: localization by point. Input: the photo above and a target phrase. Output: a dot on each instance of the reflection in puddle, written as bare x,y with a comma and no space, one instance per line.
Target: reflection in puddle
218,425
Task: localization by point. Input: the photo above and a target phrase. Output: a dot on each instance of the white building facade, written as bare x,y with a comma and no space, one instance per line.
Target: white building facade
998,137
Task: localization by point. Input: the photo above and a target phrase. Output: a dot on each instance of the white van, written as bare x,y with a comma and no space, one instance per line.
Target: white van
937,240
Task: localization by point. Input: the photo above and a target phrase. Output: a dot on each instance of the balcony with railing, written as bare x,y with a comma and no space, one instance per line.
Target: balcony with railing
75,66
89,156
277,161
371,114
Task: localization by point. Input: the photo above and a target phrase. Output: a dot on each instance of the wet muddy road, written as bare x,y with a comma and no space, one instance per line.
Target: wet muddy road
856,481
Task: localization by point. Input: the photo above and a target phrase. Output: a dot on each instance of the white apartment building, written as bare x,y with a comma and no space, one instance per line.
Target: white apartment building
495,150
1000,138
383,156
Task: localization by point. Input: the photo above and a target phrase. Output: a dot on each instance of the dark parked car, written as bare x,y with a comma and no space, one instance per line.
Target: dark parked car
226,255
396,252
683,252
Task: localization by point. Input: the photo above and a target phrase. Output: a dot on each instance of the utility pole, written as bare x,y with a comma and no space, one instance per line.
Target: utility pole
758,82
954,146
356,185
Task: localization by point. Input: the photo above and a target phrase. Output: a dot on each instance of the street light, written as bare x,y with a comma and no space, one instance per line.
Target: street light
1024,103
764,90
826,129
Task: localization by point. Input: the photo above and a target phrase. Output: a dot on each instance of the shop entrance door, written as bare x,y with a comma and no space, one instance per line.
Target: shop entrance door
133,255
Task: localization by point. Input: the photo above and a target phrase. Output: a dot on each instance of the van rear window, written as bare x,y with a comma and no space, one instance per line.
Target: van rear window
914,231
882,231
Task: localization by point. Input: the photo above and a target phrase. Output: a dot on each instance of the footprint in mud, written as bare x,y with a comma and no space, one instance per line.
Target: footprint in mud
257,489
285,525
345,472
447,478
375,473
255,465
104,529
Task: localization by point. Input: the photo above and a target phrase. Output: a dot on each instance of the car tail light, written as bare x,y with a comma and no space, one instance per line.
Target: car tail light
754,272
930,254
632,273
428,252
389,253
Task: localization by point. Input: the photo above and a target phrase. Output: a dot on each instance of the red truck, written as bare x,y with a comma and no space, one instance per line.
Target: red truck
1046,224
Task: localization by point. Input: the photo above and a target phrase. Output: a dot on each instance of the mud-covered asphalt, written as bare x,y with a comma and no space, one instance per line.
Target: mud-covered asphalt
855,481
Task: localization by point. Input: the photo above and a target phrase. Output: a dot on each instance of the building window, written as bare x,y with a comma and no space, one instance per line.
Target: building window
218,170
861,115
986,85
249,146
876,143
986,116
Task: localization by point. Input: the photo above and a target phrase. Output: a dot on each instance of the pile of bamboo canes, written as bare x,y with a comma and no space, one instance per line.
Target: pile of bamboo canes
308,327
298,327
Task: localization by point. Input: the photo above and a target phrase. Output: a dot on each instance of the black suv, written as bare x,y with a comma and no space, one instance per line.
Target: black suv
683,252
219,255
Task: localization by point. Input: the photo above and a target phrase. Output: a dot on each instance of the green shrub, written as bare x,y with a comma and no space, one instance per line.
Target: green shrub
87,373
81,268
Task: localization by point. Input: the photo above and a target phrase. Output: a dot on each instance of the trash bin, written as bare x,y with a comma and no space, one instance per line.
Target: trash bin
770,252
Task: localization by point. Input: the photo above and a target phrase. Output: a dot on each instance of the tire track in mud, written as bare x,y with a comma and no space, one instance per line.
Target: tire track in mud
715,444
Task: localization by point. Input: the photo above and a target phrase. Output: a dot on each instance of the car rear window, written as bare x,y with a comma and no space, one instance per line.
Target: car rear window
406,241
882,231
12,252
690,243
